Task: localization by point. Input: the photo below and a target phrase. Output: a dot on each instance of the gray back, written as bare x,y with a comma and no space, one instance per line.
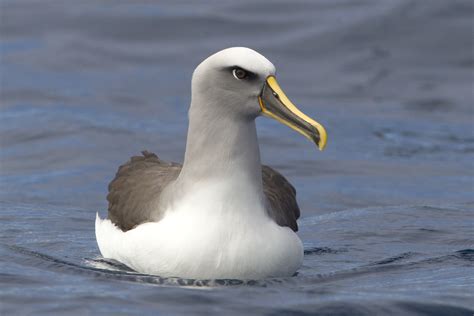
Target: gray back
138,184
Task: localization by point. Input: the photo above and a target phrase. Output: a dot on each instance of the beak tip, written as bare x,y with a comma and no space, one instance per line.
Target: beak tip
322,138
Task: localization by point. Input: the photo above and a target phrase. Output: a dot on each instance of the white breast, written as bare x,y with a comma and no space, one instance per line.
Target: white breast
215,232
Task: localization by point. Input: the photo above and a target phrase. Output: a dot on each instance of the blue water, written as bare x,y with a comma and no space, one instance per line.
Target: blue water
387,208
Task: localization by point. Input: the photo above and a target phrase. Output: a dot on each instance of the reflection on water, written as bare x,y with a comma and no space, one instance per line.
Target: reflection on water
386,209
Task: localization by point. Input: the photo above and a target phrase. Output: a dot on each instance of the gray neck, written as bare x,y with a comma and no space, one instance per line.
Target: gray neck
221,147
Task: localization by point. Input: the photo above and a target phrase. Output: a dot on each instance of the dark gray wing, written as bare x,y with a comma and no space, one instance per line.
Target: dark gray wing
138,184
281,197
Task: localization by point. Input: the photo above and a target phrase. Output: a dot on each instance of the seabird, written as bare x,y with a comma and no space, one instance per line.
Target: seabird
221,214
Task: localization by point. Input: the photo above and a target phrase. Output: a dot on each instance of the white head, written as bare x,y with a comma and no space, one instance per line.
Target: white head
240,84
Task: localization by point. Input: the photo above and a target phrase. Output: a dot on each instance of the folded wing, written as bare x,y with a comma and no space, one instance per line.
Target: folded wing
138,184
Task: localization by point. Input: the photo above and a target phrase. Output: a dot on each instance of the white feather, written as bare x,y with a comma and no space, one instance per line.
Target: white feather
206,238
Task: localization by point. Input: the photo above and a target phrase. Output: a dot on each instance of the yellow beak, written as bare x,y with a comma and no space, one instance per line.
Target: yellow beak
275,104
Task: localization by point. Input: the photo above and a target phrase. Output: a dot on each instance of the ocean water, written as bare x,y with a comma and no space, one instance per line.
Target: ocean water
387,209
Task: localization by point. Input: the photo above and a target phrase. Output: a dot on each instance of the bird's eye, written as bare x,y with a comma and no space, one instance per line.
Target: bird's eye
239,73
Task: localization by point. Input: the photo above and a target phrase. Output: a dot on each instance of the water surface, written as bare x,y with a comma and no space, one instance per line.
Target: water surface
386,210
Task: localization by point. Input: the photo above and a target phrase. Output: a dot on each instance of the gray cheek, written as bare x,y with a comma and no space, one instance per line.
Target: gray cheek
252,106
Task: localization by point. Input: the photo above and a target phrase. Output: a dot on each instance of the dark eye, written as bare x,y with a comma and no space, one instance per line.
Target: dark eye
239,73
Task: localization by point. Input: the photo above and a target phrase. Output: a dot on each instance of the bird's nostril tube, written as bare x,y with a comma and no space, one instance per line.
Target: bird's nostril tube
275,95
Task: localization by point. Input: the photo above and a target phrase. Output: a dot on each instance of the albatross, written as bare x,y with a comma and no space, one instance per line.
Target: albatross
221,214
